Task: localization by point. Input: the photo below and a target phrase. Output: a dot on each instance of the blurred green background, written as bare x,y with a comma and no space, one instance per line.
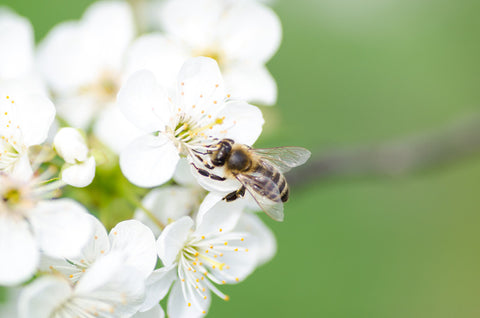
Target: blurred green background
354,72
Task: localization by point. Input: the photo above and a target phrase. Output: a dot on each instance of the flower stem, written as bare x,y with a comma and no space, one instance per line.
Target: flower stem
133,199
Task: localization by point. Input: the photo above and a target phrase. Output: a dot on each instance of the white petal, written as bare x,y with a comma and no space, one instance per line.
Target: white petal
35,115
177,306
63,59
22,169
98,242
18,251
158,284
243,123
222,215
249,31
80,175
98,245
62,227
114,130
209,202
43,296
144,102
167,204
75,54
15,32
164,57
172,239
155,312
200,83
194,22
222,187
238,264
251,83
70,145
138,244
78,110
114,283
109,28
183,174
149,160
266,242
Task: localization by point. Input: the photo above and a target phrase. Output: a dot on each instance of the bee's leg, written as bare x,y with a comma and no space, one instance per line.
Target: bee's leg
204,162
207,174
232,196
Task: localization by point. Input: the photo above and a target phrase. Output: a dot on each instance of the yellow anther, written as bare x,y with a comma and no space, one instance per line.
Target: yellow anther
242,239
189,304
236,250
237,279
227,298
220,230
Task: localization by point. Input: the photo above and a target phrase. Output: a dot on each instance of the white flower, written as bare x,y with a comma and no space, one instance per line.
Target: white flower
131,238
25,119
17,55
29,224
82,62
169,204
241,35
155,312
266,243
180,125
196,258
109,288
79,169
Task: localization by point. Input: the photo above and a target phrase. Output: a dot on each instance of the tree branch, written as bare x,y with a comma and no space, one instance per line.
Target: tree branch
450,145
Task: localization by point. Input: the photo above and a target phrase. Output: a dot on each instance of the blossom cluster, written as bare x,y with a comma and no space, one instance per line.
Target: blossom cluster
156,107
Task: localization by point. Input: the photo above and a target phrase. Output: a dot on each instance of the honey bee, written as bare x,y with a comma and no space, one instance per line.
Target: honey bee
259,171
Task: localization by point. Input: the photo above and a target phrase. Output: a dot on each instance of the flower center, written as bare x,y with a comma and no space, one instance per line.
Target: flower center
105,89
192,132
12,197
212,53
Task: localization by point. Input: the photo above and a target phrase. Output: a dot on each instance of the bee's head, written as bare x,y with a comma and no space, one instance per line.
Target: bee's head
220,156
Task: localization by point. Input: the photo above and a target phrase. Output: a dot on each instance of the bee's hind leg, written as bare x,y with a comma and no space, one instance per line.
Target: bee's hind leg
232,196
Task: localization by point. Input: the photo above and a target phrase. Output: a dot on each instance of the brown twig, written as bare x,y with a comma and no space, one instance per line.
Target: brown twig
449,145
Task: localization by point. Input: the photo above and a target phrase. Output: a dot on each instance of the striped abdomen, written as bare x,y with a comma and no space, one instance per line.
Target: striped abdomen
274,179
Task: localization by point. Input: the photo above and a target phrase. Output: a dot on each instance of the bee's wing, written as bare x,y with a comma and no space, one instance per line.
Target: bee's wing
284,158
265,192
